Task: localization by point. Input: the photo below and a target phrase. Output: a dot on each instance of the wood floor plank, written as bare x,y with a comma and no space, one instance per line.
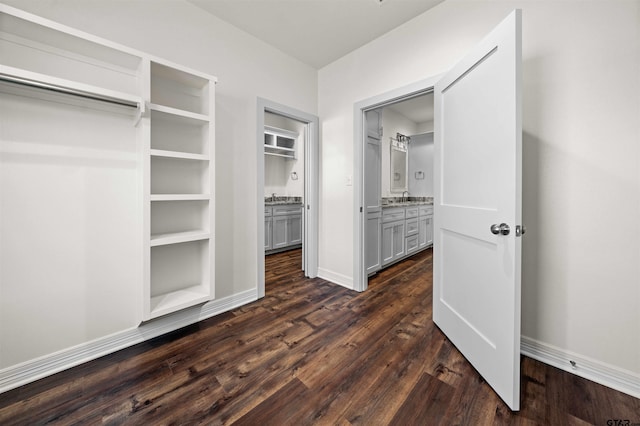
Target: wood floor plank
428,400
310,353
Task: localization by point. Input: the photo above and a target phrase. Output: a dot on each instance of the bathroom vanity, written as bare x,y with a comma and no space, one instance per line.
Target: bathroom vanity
406,229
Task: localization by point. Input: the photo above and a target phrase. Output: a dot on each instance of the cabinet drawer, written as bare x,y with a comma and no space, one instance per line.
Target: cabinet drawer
411,212
411,227
391,215
287,210
425,210
412,244
267,211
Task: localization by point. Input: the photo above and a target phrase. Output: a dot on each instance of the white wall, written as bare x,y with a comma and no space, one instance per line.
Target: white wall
246,69
581,254
392,123
421,160
425,127
278,170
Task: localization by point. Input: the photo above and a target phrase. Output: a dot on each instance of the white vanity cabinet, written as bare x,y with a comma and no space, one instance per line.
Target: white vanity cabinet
425,227
268,224
411,229
393,235
285,227
405,230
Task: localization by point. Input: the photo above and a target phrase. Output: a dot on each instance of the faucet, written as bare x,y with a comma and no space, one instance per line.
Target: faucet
273,196
405,199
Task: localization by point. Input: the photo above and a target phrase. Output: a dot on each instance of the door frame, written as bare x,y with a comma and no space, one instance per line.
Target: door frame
422,87
311,205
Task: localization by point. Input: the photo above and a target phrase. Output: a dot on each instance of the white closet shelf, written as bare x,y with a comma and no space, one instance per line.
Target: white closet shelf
178,154
60,85
179,197
289,156
275,131
179,237
279,148
201,118
166,303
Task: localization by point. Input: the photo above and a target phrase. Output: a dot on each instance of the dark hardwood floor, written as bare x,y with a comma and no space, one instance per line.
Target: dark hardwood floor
310,352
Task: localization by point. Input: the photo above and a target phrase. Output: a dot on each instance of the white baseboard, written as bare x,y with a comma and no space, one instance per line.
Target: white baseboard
336,278
47,365
599,372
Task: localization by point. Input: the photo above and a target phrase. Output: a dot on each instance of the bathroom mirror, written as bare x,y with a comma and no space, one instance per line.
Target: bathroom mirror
399,164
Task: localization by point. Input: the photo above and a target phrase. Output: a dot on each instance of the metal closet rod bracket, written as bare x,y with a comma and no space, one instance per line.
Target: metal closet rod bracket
142,112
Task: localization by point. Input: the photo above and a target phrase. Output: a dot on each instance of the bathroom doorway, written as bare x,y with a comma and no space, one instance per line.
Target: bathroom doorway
287,186
372,250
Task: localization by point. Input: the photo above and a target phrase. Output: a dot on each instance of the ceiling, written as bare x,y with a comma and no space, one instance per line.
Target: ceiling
418,109
316,32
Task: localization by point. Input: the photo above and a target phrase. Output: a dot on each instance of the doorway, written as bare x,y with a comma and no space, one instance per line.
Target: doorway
371,185
288,197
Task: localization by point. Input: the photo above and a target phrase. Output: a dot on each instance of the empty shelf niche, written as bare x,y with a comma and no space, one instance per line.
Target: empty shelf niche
179,221
280,142
32,47
178,89
179,176
175,134
180,276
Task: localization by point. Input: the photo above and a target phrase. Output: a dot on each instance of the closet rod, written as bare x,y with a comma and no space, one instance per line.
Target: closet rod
67,91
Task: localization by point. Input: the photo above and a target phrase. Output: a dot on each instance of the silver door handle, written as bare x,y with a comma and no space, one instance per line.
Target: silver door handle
503,229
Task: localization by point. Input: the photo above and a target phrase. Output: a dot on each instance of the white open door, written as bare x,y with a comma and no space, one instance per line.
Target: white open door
478,157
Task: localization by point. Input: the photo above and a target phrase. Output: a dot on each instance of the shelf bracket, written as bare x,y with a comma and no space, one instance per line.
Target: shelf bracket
142,111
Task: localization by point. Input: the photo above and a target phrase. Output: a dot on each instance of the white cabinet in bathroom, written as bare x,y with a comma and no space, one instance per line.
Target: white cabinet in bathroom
393,242
268,223
280,142
283,229
405,231
425,227
280,229
393,235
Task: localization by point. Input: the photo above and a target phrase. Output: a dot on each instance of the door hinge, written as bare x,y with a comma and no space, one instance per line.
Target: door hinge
360,209
520,230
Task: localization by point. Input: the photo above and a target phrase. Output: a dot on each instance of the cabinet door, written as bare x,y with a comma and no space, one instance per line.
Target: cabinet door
279,234
429,230
294,230
387,243
399,249
373,244
422,232
412,244
267,233
411,226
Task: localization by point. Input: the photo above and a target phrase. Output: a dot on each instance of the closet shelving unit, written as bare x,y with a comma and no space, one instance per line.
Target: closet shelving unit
180,189
173,109
280,142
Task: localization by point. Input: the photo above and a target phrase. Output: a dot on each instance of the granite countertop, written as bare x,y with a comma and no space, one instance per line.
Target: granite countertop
411,201
279,201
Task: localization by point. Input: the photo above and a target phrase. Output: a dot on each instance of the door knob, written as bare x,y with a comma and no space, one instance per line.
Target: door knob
503,229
